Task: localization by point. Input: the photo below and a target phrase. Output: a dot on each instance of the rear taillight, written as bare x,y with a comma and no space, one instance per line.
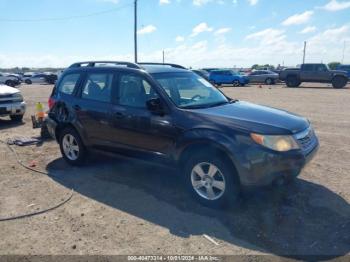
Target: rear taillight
51,102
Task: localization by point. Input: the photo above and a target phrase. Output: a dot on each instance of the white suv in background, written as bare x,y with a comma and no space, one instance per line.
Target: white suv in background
11,103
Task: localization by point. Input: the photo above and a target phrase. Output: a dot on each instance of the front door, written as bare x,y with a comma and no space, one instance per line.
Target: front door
135,128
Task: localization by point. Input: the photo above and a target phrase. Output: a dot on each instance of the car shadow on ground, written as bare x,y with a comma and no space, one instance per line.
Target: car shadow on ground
296,221
8,123
318,87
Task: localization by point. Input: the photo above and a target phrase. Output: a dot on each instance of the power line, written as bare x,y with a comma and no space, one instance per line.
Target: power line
64,18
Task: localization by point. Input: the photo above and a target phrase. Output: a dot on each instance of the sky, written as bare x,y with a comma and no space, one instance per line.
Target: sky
196,33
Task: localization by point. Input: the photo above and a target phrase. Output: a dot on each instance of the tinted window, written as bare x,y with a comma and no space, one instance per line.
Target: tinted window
308,67
68,83
98,87
321,68
134,91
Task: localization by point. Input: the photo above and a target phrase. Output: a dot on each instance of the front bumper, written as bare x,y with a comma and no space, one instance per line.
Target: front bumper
261,167
16,108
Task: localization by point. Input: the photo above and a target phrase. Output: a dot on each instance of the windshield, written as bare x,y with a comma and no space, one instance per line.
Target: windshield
187,90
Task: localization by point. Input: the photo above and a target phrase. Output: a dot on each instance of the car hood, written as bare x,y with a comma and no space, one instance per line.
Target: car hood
7,90
338,72
250,117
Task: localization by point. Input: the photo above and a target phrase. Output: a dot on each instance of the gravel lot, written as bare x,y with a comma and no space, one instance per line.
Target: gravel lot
126,207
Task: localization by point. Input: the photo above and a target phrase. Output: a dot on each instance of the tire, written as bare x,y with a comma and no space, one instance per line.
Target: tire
236,83
16,118
72,147
28,81
225,178
292,81
10,83
269,81
339,82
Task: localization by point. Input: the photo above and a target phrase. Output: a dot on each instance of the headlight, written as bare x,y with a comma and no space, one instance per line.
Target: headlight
17,97
277,143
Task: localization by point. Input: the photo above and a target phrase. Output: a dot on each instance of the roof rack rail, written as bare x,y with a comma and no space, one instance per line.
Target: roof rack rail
93,64
167,64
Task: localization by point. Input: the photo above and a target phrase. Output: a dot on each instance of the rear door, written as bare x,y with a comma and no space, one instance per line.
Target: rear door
93,107
307,73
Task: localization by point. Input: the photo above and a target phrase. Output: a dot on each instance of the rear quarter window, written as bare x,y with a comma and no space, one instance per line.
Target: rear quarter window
68,83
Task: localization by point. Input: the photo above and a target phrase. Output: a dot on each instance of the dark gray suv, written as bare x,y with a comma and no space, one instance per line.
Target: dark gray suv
167,114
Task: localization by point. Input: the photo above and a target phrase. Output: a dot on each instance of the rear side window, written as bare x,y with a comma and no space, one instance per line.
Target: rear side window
308,67
98,87
68,83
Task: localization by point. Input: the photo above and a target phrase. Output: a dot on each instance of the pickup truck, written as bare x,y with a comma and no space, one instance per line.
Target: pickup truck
313,73
11,103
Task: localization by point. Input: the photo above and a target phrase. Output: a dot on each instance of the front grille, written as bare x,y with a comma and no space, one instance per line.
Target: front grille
5,99
307,140
3,111
5,96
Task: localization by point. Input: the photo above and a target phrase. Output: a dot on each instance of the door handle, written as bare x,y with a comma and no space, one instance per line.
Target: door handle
77,107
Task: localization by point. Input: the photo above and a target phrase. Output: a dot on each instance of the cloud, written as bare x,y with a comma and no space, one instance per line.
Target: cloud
147,30
223,30
267,36
164,2
308,29
179,38
200,28
334,5
298,19
253,2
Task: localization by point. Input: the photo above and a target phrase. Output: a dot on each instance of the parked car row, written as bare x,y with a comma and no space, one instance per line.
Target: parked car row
293,77
220,77
28,78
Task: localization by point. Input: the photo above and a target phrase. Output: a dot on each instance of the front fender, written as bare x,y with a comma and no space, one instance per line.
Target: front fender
210,138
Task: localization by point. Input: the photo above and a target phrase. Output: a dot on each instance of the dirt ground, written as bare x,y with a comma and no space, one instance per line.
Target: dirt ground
125,207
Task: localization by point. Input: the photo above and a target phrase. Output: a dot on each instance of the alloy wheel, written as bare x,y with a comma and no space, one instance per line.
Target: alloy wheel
70,147
208,181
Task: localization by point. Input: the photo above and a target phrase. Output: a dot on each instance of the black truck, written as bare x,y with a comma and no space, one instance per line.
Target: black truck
313,73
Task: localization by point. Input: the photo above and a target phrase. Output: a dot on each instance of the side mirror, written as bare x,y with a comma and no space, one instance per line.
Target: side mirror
155,106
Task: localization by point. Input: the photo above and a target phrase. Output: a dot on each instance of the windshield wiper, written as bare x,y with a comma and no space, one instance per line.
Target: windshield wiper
206,105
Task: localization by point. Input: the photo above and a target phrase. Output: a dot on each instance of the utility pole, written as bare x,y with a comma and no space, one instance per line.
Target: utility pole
135,29
304,52
163,57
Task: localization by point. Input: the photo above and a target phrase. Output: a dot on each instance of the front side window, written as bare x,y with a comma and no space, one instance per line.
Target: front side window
98,87
321,68
68,83
187,90
134,91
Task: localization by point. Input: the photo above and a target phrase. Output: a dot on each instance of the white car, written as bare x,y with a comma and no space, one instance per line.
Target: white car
11,103
34,79
8,80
